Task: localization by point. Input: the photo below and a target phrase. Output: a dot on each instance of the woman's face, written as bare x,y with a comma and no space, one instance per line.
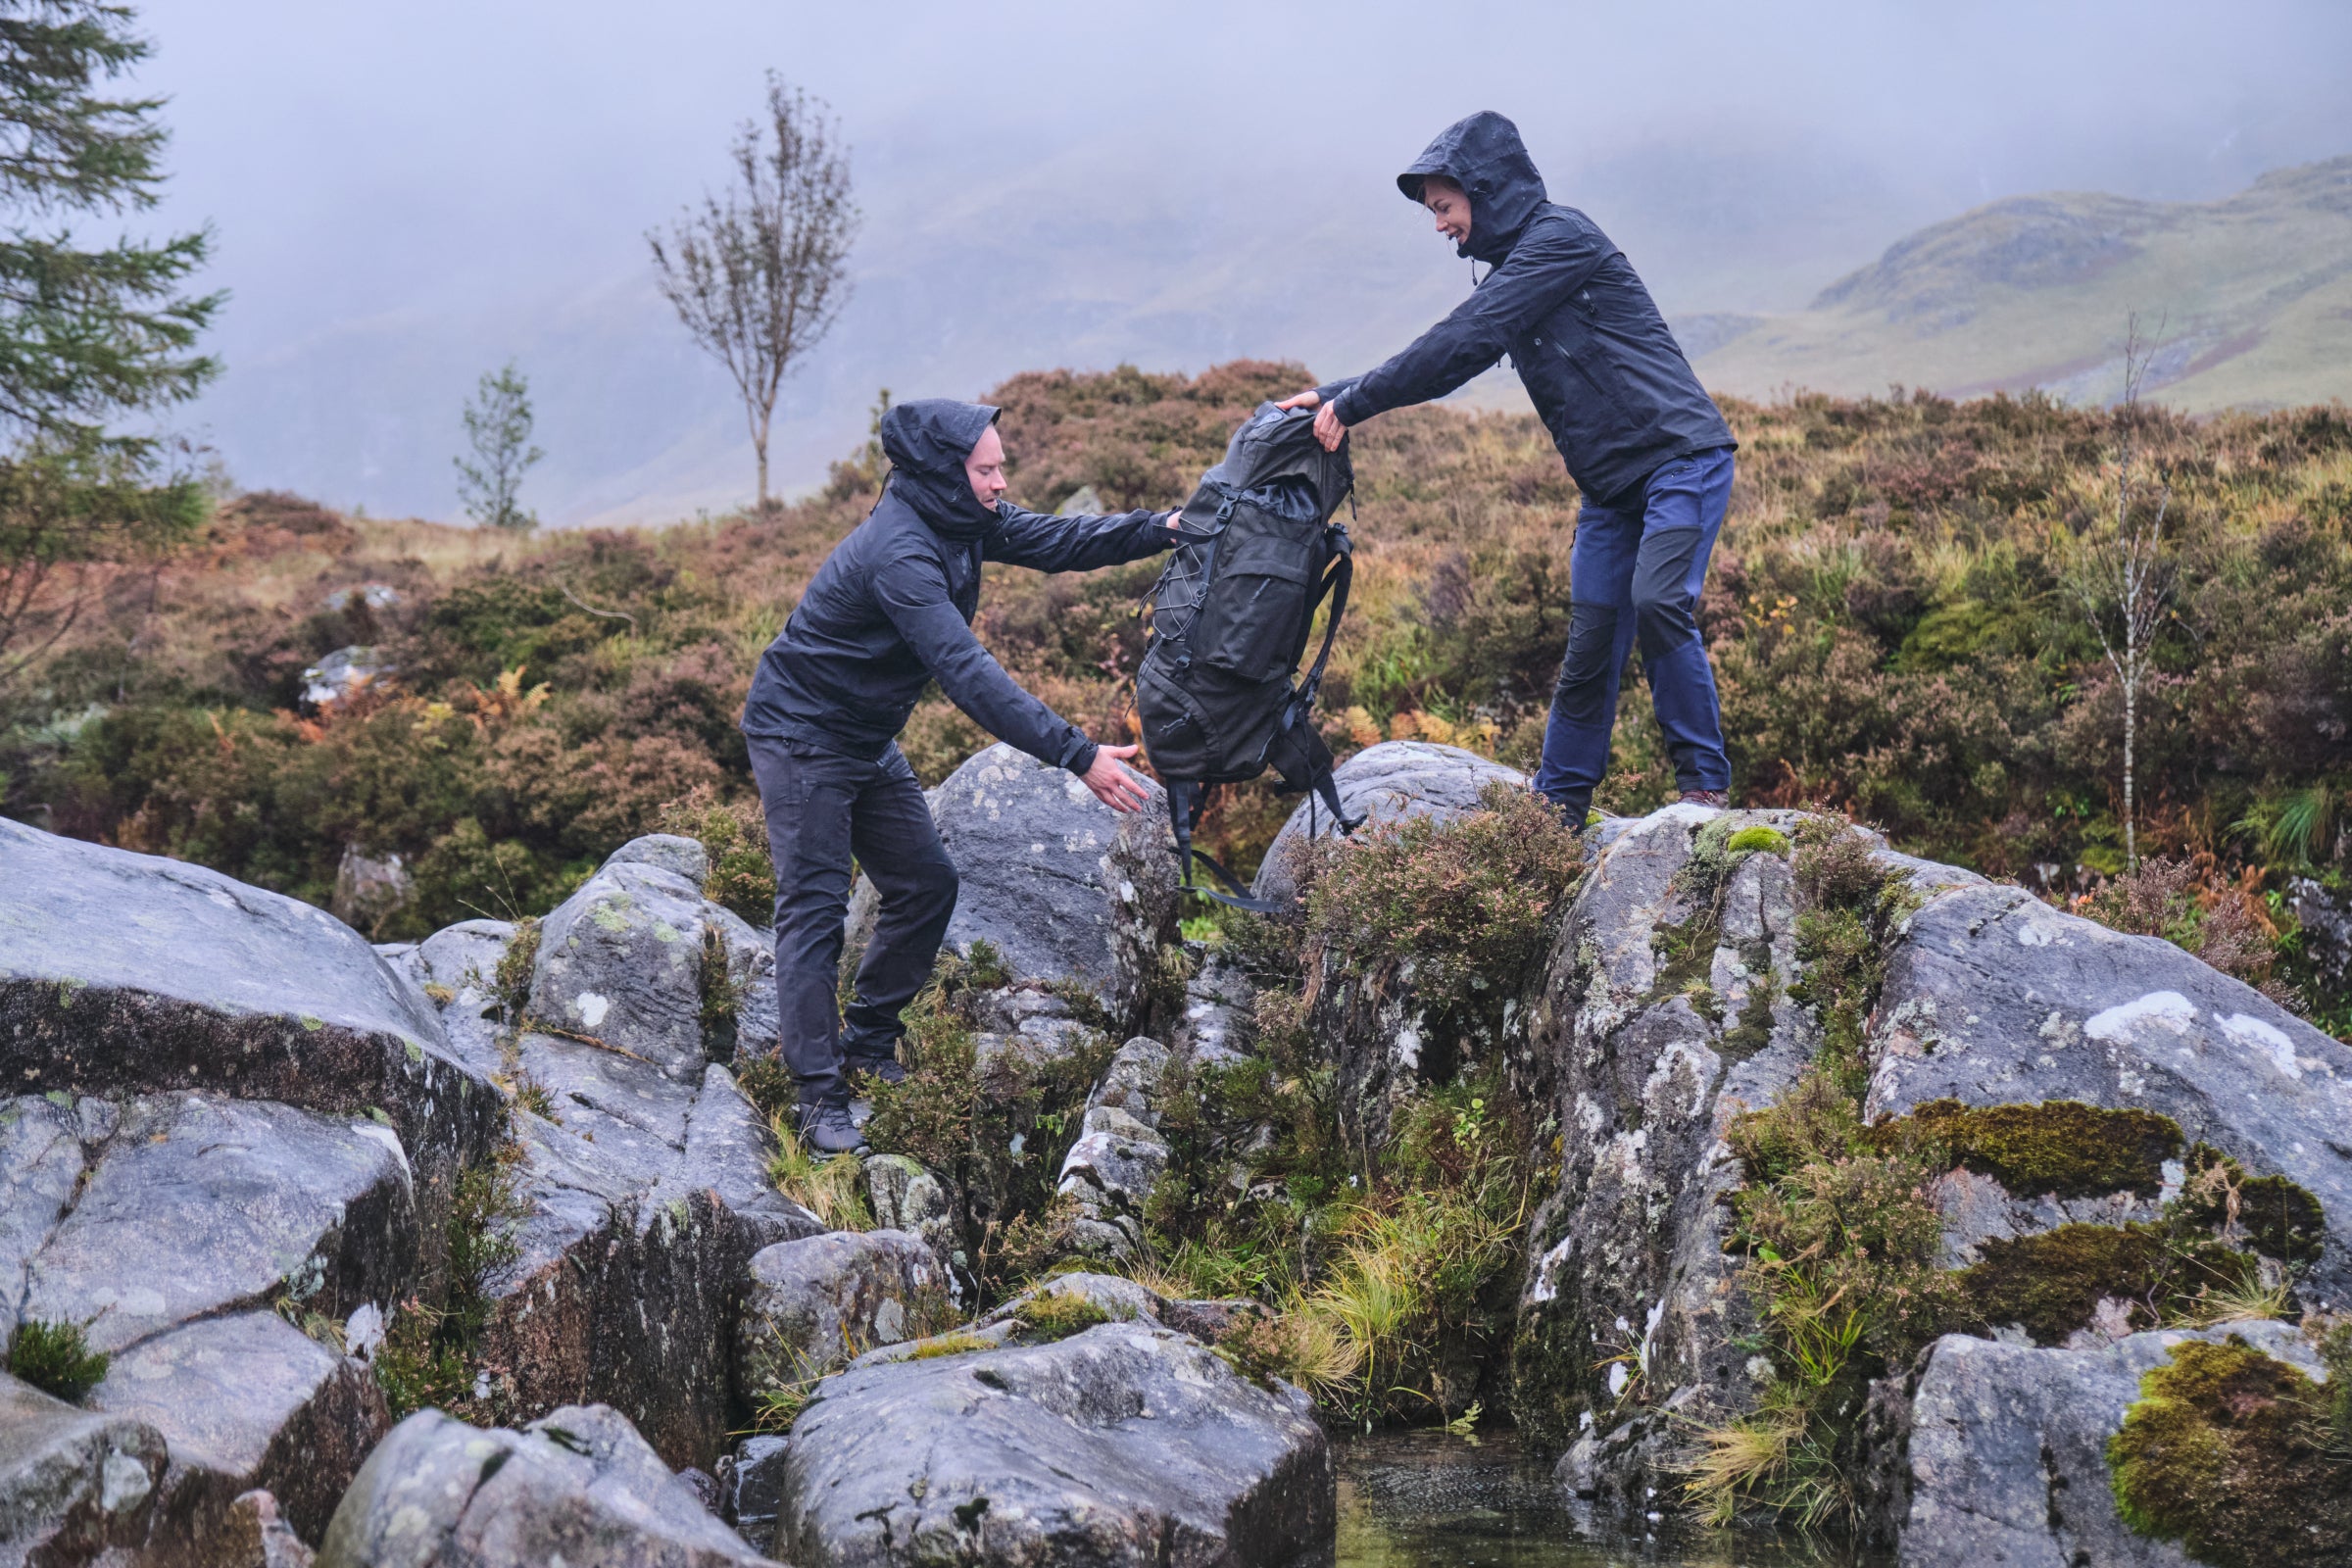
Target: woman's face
1450,204
985,467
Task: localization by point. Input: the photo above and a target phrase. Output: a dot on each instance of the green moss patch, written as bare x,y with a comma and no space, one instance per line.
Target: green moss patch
1758,840
2062,1146
2052,1281
2270,1213
2231,1453
1058,1315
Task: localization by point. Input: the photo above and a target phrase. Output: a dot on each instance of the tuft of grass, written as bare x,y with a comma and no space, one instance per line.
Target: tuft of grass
945,1344
722,996
55,1358
833,1190
431,1355
512,981
734,834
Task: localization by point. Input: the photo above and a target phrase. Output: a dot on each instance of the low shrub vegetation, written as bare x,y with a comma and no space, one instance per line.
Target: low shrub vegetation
55,1358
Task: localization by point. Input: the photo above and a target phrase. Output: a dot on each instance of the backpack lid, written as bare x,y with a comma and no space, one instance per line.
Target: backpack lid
1276,444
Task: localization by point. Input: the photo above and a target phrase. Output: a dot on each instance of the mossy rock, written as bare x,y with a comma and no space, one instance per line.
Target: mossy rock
2062,1146
2230,1452
2276,1217
2052,1282
1757,839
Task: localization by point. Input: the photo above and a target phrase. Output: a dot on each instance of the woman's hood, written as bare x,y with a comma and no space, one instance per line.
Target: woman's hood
1485,155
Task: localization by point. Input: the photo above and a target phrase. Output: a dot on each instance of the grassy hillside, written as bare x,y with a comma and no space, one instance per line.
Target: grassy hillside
1889,615
2254,294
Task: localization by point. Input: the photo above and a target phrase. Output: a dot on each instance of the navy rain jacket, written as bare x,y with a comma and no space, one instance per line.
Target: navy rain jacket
1600,366
891,609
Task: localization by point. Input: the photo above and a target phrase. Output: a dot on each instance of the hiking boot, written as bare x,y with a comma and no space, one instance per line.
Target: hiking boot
1717,799
886,1068
826,1131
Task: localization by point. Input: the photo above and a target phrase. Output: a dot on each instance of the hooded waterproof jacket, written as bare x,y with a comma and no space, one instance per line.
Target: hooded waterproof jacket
891,609
1602,370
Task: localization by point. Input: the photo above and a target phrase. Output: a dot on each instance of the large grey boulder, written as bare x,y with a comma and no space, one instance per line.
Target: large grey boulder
126,973
1124,1444
815,1304
620,960
641,1200
2001,1456
74,1485
1062,885
246,1401
456,971
579,1487
1992,996
138,1219
625,961
1385,783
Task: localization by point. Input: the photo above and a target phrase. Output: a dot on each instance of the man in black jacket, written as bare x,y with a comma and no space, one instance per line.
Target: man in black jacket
1640,437
889,612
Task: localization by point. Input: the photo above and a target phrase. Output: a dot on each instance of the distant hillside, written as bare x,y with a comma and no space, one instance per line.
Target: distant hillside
2253,294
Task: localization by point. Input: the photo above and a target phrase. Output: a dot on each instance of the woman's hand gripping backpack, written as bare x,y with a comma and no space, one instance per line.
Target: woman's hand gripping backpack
1259,552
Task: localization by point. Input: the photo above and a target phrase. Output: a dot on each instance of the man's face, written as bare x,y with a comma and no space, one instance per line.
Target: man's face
1450,204
985,467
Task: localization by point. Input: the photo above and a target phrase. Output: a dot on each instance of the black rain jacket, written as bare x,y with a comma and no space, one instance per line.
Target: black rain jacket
1599,363
891,609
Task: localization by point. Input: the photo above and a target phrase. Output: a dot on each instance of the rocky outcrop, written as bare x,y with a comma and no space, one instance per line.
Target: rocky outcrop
1123,1445
620,960
904,1197
578,1485
1061,885
1384,783
1992,996
2001,1453
126,973
74,1485
815,1304
1110,1170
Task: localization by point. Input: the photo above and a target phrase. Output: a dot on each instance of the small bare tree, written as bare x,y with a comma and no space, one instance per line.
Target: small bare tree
2122,576
760,273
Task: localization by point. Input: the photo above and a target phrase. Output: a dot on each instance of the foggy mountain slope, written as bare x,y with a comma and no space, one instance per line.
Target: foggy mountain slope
2251,294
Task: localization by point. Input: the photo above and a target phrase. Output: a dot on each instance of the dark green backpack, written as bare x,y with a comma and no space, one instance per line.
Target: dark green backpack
1258,553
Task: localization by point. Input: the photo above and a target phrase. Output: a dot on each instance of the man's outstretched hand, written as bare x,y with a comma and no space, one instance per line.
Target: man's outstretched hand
1110,781
1328,429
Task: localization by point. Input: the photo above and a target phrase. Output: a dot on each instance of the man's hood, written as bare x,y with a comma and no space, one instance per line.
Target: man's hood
1485,155
934,435
927,442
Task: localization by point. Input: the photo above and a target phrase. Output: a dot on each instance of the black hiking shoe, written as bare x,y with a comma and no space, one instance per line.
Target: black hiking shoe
886,1068
825,1130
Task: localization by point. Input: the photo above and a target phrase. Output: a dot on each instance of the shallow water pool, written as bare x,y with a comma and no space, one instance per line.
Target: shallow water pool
1430,1499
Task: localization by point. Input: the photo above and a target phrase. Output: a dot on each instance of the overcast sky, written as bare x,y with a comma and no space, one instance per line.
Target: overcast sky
407,194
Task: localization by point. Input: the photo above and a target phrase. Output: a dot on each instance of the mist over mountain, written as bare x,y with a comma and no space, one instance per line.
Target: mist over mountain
402,203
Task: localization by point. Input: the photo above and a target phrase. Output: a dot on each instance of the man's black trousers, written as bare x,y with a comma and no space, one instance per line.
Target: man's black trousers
823,809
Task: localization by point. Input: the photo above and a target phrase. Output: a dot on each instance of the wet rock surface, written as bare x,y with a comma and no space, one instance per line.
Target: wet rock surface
1124,1444
1384,783
1061,886
578,1485
128,973
74,1483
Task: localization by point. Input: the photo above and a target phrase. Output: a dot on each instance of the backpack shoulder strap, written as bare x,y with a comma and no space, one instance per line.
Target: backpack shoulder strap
1186,799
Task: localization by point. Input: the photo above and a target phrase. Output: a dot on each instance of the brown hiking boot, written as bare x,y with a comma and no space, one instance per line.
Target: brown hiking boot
1717,799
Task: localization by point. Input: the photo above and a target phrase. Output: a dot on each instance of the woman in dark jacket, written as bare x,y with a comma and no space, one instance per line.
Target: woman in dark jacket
1640,437
888,613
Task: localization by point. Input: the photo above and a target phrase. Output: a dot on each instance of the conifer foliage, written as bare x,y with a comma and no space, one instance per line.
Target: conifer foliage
90,331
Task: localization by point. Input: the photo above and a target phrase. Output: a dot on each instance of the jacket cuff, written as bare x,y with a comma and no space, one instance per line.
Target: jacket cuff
1083,759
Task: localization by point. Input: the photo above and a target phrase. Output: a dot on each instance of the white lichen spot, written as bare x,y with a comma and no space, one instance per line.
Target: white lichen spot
2116,1024
2265,1039
2175,1173
1759,1368
1409,1048
2130,1083
1619,1377
590,1008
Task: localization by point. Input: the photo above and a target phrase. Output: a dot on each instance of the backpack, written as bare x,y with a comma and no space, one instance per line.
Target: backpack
1257,552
